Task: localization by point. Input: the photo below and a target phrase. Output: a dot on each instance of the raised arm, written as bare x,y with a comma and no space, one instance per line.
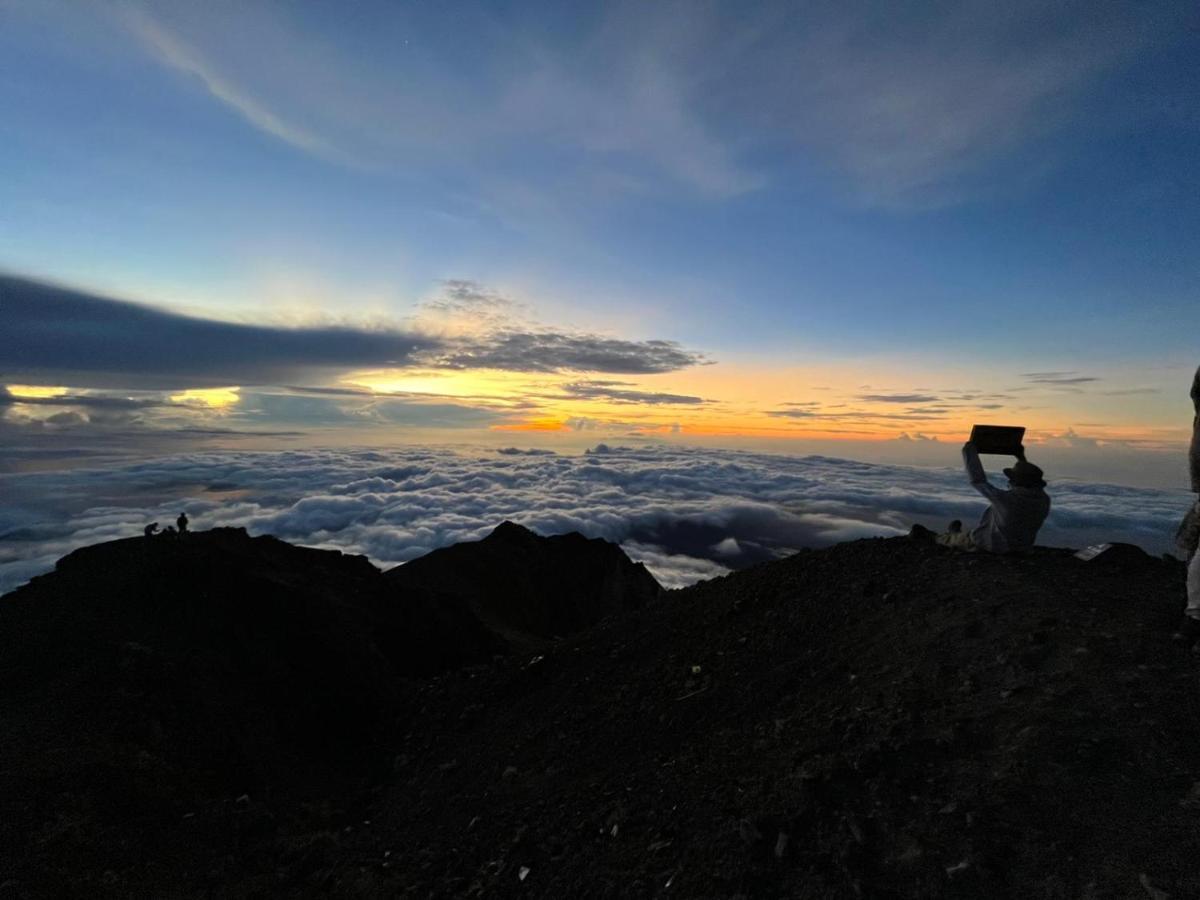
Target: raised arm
975,473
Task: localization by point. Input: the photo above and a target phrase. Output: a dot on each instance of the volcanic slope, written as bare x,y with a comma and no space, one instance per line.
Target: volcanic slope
878,719
147,684
882,718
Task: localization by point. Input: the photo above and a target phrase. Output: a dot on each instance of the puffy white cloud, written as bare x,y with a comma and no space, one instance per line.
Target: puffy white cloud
687,513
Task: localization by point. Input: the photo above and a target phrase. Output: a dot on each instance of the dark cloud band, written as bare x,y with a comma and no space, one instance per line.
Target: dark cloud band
58,332
619,392
78,338
551,351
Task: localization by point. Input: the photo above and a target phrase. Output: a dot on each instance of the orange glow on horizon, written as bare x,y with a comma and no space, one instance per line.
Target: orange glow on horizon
864,401
535,425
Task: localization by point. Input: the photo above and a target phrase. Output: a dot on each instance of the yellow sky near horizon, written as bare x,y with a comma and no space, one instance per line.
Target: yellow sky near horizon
867,400
819,402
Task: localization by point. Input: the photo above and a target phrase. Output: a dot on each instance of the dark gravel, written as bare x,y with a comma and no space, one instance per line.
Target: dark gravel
879,719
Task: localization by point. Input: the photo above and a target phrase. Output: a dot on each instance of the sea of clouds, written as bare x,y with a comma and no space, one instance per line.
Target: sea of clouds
688,513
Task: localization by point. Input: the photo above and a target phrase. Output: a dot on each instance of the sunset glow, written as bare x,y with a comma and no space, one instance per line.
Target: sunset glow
846,232
396,395
35,392
210,398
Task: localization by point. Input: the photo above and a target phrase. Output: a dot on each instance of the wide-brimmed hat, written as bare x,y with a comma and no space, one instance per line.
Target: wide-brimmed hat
1025,474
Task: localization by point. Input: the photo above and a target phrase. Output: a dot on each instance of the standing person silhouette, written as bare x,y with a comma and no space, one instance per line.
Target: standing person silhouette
1189,632
182,523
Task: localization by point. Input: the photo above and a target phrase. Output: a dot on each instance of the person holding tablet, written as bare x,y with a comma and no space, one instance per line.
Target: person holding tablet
1014,515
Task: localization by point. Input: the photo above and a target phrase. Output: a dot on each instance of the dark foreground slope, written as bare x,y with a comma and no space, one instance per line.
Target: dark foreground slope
151,681
880,719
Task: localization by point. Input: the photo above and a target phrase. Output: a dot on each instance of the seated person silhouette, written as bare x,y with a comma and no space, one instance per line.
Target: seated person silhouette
149,530
1011,522
182,522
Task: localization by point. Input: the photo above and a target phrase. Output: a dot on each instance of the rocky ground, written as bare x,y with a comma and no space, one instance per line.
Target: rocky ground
880,719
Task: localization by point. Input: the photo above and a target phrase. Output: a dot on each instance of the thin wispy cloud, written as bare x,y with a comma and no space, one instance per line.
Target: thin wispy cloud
621,392
906,105
176,53
795,413
612,101
911,103
898,398
863,416
1059,378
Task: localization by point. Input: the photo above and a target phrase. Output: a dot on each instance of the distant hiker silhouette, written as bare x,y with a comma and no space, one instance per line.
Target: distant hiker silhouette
1011,522
1189,532
149,530
182,522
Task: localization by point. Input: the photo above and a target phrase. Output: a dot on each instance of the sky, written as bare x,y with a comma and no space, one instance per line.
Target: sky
845,230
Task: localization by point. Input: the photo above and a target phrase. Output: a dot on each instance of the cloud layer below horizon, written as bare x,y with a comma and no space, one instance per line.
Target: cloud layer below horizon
688,513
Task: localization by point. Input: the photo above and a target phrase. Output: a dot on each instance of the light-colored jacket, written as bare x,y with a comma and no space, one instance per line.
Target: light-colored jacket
1194,455
1012,520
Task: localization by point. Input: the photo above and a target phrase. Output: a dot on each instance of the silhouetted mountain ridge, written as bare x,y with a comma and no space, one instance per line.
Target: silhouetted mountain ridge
524,586
243,664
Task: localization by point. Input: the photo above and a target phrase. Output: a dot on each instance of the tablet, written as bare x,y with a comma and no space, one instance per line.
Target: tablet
1000,439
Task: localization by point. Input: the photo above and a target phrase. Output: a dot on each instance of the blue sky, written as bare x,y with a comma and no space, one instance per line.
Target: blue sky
813,197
